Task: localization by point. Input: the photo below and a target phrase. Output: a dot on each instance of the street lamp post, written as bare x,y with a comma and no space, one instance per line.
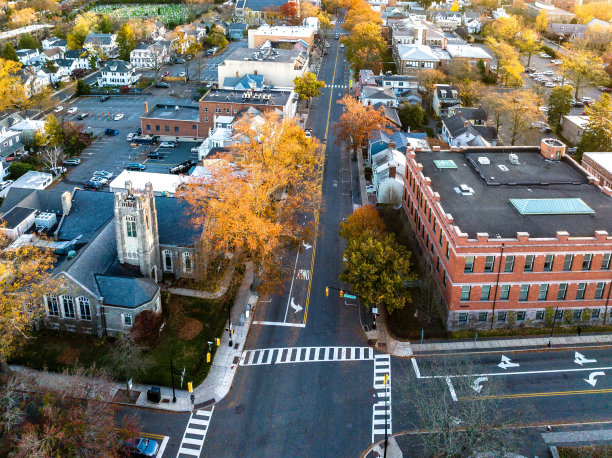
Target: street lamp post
172,377
229,325
552,328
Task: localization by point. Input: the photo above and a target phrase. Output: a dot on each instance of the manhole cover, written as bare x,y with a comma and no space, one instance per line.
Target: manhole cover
239,410
349,425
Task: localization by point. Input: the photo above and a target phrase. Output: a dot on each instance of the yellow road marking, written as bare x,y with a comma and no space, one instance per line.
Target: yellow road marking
316,212
538,395
150,435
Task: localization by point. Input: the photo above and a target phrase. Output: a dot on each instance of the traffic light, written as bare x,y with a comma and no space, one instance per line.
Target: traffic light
218,341
190,387
386,378
341,293
326,291
208,357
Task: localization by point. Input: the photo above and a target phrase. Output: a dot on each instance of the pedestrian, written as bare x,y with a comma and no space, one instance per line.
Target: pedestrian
579,331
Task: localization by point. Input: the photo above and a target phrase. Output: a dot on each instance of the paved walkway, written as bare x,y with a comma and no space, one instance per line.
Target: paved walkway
218,381
223,286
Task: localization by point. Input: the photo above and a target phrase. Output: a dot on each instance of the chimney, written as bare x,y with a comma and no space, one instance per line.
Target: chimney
146,106
466,123
129,188
392,171
391,145
66,199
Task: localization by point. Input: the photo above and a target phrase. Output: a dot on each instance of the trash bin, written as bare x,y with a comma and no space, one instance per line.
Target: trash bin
154,394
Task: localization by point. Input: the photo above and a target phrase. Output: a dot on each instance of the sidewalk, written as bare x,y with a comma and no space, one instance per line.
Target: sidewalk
218,382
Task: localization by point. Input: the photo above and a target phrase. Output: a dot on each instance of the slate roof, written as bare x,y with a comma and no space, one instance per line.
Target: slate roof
174,222
391,113
83,220
76,54
64,62
476,113
99,38
373,92
237,26
259,5
244,83
401,139
125,291
116,66
456,126
14,217
38,199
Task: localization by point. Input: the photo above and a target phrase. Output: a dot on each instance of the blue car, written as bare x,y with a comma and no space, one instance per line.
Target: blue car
141,446
135,166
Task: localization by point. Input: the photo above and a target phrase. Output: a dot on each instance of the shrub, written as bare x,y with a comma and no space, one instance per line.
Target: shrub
548,50
18,169
82,88
489,79
146,328
430,133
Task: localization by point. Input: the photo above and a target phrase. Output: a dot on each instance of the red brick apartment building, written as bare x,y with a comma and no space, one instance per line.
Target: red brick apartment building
512,235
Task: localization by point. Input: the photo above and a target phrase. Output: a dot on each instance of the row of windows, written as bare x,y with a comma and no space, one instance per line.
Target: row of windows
521,315
549,259
219,110
504,292
167,128
68,307
168,265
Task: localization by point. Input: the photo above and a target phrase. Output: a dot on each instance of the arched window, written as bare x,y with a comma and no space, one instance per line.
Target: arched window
68,304
167,255
130,225
187,262
52,305
84,308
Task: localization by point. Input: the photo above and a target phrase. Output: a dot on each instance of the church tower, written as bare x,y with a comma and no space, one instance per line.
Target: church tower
136,230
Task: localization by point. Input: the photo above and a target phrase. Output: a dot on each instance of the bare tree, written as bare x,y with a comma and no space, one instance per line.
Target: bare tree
11,414
158,56
126,360
52,157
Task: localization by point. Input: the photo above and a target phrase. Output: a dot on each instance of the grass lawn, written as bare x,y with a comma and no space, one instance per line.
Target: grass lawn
189,324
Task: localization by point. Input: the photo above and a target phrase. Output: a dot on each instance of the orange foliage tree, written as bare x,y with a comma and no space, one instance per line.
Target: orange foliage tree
365,218
253,198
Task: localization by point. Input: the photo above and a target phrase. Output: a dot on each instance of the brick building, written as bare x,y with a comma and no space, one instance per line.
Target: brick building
600,166
510,237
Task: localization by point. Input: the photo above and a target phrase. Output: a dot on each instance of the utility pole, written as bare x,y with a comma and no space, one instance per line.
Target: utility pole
172,377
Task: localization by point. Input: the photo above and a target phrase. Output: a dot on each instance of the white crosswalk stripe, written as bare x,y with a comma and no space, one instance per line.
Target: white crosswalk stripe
381,410
304,355
195,433
337,86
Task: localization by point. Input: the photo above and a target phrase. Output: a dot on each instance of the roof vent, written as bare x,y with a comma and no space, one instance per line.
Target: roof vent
513,158
71,254
484,160
502,167
464,190
176,108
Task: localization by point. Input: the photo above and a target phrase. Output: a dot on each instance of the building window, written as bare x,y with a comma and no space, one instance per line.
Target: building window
520,316
605,262
540,315
194,127
595,314
501,316
543,292
84,308
599,290
558,314
548,262
148,126
175,129
482,316
206,119
524,294
485,292
504,293
217,110
465,292
130,224
444,279
562,291
157,128
167,128
187,261
469,264
68,304
205,109
52,305
447,250
167,260
577,315
127,319
529,263
463,317
227,110
580,291
489,263
567,262
509,266
586,262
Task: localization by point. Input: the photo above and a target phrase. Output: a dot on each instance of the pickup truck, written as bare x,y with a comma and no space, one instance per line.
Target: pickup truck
112,132
145,139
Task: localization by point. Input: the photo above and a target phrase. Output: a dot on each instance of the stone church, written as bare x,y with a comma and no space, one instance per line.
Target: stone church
112,250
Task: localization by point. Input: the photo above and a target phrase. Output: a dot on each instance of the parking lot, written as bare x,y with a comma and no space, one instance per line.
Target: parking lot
113,153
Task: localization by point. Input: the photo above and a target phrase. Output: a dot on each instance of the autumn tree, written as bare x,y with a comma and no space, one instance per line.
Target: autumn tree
470,92
504,28
600,10
520,109
582,67
307,86
357,122
82,25
559,104
541,21
377,268
360,13
529,43
362,219
54,131
365,47
508,63
290,11
597,134
12,91
125,42
254,198
23,17
187,49
105,25
412,116
428,78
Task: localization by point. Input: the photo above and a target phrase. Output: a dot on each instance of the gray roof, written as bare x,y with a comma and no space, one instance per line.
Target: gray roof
125,291
477,113
237,26
391,113
90,211
76,54
374,92
184,112
174,222
14,217
416,52
489,209
259,5
44,200
99,38
116,66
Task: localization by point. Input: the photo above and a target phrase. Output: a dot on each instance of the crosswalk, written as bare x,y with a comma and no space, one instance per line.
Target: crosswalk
195,434
304,355
381,410
337,86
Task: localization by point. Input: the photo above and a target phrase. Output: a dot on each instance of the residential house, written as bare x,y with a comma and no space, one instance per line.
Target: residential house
53,54
374,95
445,97
105,44
67,66
470,54
472,21
412,58
4,168
80,57
27,55
28,128
54,42
399,83
392,120
236,30
459,131
117,73
34,80
380,140
554,14
572,128
152,55
10,143
500,13
255,8
388,176
412,31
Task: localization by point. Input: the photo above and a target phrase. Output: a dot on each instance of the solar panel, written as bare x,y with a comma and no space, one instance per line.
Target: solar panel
569,206
445,164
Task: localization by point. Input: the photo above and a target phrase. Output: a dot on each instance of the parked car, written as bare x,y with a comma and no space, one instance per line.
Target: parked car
72,110
167,145
56,170
155,155
577,104
548,73
308,133
182,75
572,150
118,117
604,89
180,61
111,132
327,45
103,174
556,61
58,109
543,55
166,73
549,84
93,185
195,149
101,180
130,136
82,116
104,98
342,45
5,184
182,167
586,100
135,166
141,446
164,85
543,109
72,161
209,85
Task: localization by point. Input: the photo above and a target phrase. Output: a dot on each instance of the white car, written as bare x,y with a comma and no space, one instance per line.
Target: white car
103,174
130,136
72,110
58,109
342,45
118,117
586,100
182,75
556,61
548,73
543,55
549,84
5,184
195,149
167,145
543,109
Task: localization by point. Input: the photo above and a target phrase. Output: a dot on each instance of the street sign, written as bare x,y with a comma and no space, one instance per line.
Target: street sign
349,296
375,310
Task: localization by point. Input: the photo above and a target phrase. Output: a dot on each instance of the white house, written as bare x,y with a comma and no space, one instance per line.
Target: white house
34,180
54,42
312,23
34,80
372,95
103,43
387,175
26,55
117,73
150,55
80,58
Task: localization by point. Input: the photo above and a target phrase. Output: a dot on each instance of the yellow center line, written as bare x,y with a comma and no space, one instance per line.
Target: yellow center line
538,395
150,435
316,212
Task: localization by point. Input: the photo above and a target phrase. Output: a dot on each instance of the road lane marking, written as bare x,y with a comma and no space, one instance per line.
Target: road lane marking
291,288
197,426
291,355
162,447
280,323
451,389
538,395
381,409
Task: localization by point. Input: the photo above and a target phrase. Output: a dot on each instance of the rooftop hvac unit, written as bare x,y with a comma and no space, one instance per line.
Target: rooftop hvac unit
484,160
46,220
513,158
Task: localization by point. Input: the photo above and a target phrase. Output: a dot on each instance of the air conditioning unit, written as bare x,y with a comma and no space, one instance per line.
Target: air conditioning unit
484,160
46,220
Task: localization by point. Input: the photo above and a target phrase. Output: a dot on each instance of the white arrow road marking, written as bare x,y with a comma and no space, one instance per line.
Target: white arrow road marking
296,307
580,359
306,246
592,377
451,389
477,385
506,363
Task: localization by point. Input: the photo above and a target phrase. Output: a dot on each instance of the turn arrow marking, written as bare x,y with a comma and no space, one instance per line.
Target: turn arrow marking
592,377
306,246
580,359
477,385
296,307
506,363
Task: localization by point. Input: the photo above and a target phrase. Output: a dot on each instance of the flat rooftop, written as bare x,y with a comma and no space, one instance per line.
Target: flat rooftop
486,206
176,112
272,98
265,55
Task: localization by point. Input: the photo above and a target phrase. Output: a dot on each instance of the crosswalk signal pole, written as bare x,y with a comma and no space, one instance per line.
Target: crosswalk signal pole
386,420
327,291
